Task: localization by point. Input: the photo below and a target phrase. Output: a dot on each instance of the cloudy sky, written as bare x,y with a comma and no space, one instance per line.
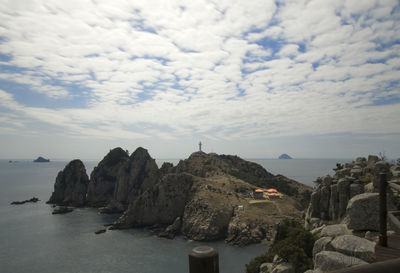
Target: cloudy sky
317,78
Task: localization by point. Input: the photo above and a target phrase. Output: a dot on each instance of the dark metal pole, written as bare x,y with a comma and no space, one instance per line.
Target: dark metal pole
382,210
203,259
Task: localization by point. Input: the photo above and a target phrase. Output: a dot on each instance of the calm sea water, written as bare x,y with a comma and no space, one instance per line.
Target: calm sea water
34,240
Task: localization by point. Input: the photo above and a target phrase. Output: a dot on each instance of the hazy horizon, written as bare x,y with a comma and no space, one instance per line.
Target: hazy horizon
313,79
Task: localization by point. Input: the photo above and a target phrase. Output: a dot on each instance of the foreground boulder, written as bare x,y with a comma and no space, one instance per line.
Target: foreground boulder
355,246
71,185
363,212
329,260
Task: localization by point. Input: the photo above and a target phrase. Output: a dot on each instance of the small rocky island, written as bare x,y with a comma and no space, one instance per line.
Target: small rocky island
41,160
285,156
205,197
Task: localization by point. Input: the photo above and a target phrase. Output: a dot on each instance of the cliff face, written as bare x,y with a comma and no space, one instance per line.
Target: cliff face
137,175
71,185
104,177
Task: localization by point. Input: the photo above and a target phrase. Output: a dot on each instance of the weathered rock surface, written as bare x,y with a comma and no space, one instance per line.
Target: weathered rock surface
172,230
283,268
363,212
137,175
334,230
160,204
321,244
62,210
330,260
104,177
113,206
71,185
355,246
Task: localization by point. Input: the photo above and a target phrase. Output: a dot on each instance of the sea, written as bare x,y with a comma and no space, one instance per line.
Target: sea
34,240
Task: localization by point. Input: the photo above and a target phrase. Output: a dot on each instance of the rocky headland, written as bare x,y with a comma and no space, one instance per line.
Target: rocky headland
41,160
205,197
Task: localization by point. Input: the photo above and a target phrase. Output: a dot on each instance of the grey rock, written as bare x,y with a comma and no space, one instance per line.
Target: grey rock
356,189
335,230
327,180
315,198
71,185
324,202
342,173
113,207
313,271
344,195
321,244
62,210
331,260
266,267
356,171
104,176
161,204
334,203
317,231
138,174
372,236
172,230
283,268
363,212
369,188
372,159
355,246
315,222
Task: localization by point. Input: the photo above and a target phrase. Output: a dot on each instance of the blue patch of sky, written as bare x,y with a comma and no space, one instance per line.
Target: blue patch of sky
4,68
25,95
5,57
385,45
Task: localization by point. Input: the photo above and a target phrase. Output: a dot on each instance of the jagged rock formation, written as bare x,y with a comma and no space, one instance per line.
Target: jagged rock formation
348,197
71,185
199,198
104,177
330,199
137,175
41,160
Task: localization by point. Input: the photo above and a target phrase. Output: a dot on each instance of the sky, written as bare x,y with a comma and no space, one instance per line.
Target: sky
313,79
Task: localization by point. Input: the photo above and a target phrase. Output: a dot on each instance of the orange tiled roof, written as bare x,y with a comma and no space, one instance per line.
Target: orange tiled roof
272,190
259,190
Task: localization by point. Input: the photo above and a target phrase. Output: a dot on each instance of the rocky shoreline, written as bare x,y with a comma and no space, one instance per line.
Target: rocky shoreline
198,198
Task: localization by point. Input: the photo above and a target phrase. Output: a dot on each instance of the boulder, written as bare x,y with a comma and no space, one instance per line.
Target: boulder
315,199
334,203
356,189
331,260
321,244
342,172
355,246
62,210
369,188
71,185
283,268
344,195
363,212
335,230
100,231
317,231
266,267
104,176
356,171
372,159
324,202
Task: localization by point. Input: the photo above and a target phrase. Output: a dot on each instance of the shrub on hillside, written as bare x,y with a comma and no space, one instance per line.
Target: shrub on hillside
293,244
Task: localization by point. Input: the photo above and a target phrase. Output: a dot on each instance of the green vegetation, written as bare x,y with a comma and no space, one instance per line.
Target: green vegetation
292,243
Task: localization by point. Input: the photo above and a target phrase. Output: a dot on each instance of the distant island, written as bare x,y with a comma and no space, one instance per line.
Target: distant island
285,156
41,160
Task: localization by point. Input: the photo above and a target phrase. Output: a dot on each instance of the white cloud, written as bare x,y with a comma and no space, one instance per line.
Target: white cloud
225,69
